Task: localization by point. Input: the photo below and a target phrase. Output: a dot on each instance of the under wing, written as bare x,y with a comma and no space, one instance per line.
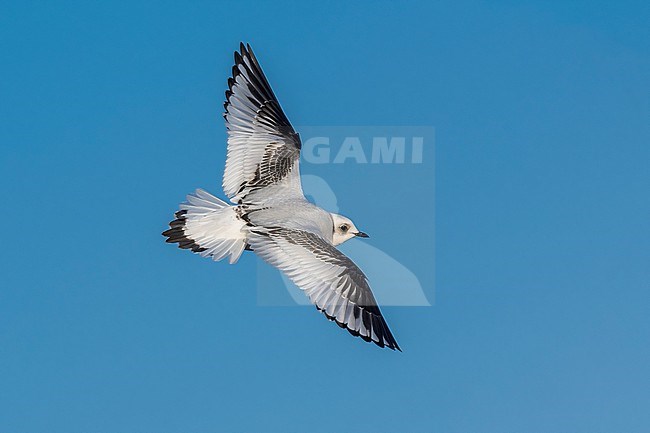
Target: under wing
263,148
330,279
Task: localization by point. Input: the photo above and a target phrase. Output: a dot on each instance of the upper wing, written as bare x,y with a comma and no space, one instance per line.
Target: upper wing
263,148
332,281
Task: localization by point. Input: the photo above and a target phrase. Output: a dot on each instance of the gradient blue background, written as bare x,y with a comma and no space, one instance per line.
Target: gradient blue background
111,113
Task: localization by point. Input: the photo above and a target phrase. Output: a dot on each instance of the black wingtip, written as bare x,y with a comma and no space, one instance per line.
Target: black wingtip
250,53
244,48
238,61
386,341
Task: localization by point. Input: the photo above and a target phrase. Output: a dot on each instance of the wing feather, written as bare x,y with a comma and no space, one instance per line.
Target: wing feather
330,279
263,148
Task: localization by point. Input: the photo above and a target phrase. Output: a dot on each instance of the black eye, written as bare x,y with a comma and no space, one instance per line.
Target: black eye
344,228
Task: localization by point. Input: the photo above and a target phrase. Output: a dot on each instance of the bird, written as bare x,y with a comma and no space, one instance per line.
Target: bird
269,214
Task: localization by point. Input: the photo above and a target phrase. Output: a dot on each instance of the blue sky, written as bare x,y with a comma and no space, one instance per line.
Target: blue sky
111,114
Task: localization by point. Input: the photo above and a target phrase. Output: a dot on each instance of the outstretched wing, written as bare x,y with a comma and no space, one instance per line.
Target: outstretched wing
332,281
263,148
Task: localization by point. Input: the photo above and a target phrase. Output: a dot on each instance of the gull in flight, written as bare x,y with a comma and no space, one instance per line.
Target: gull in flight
270,215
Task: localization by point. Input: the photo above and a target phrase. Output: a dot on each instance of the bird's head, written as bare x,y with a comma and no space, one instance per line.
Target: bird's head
344,229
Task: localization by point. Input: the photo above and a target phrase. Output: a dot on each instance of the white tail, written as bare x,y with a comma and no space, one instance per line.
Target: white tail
208,226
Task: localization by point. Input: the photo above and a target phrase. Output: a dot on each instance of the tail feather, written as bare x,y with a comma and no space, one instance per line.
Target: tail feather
208,226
